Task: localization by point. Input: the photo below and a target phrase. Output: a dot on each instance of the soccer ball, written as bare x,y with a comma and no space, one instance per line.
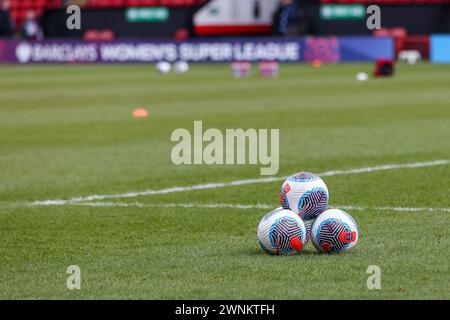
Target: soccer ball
181,67
163,67
362,76
304,193
334,231
281,232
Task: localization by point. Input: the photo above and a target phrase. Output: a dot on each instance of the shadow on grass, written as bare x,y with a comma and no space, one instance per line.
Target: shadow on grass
259,252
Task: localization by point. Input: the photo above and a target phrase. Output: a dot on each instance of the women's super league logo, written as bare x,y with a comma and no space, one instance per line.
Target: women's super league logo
322,49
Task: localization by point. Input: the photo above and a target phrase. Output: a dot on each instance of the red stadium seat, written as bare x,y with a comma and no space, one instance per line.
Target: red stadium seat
19,8
101,4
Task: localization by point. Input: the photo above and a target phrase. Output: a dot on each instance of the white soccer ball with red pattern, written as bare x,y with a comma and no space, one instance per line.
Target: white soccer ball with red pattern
304,193
334,231
281,232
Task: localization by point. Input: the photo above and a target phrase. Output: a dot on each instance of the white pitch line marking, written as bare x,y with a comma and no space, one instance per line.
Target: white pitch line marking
236,183
238,206
400,209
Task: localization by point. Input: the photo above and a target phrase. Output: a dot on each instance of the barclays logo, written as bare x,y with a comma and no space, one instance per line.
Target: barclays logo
24,52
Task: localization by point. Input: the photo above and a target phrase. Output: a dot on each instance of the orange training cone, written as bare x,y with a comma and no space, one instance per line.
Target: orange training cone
140,113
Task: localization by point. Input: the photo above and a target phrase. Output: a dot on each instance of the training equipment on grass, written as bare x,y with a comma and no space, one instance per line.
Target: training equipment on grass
362,76
181,67
140,113
241,69
163,67
269,69
409,56
316,63
304,193
334,231
384,68
281,231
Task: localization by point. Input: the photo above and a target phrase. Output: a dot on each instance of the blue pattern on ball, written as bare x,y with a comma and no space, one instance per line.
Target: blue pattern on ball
312,203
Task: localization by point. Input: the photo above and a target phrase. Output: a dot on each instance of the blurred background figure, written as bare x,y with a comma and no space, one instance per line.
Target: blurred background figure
6,22
285,17
31,29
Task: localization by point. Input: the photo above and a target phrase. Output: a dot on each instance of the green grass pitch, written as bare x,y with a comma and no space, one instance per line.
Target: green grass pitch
67,131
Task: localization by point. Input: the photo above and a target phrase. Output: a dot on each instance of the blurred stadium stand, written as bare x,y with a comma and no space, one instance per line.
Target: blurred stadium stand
385,2
19,8
107,19
141,3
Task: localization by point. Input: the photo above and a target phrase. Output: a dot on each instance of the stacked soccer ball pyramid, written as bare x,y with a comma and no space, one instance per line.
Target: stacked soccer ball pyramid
303,215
